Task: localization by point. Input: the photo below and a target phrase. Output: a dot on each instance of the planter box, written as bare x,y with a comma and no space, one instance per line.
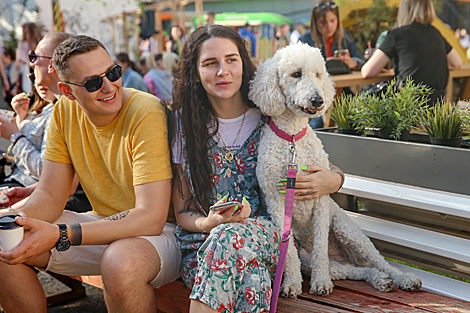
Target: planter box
412,163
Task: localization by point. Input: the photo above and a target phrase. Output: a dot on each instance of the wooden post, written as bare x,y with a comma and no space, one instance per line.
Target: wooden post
113,36
125,35
174,7
199,11
181,14
159,25
136,29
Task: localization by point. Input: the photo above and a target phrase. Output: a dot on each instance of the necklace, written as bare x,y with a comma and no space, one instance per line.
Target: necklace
229,154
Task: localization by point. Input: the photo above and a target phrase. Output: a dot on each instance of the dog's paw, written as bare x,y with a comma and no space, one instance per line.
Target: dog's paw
408,282
321,287
291,289
381,281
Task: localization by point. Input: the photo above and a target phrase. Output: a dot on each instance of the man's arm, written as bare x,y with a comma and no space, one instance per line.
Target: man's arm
48,200
147,218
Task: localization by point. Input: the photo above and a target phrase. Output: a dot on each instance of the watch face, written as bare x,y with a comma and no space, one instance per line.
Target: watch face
63,244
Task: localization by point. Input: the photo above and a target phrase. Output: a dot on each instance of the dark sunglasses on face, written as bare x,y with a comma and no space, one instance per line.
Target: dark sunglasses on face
330,5
95,83
33,56
32,77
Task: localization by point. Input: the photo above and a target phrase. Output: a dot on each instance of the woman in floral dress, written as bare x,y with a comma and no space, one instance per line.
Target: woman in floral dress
229,257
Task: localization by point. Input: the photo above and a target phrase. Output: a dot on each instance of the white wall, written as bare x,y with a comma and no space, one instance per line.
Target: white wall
84,17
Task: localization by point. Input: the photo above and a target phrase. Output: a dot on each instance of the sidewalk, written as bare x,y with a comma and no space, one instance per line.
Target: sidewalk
93,302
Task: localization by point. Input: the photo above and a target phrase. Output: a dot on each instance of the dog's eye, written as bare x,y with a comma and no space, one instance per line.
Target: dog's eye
296,74
317,75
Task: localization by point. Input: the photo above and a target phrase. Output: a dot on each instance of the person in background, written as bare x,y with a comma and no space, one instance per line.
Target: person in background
327,33
4,82
158,81
295,35
11,71
177,39
31,36
130,76
247,33
149,45
169,59
416,49
464,38
209,17
283,35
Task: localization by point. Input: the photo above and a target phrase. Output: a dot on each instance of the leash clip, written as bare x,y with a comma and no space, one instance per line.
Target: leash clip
292,149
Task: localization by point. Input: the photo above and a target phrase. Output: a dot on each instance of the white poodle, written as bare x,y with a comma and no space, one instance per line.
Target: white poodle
293,87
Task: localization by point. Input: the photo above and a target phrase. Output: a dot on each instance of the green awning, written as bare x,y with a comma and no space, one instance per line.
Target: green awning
254,19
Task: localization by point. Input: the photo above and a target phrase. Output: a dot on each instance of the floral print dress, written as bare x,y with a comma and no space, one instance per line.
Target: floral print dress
232,268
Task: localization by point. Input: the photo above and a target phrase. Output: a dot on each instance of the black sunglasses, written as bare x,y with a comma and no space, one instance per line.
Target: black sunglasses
330,5
32,77
33,56
95,83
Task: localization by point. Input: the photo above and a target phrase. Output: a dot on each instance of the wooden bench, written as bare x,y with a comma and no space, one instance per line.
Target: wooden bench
348,296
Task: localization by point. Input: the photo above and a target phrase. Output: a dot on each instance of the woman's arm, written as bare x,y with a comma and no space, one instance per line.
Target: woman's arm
375,64
320,181
454,60
192,220
32,157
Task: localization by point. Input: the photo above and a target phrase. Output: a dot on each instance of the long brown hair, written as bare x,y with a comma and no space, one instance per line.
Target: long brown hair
319,12
194,111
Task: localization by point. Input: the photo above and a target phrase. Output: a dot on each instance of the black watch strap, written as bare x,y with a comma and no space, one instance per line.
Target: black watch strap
63,244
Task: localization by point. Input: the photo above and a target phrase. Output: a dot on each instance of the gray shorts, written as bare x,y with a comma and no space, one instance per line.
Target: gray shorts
85,260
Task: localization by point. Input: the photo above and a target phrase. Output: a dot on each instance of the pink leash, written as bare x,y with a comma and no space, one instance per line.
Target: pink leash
289,206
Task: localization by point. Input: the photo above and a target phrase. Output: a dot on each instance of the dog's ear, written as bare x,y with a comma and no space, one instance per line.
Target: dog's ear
264,88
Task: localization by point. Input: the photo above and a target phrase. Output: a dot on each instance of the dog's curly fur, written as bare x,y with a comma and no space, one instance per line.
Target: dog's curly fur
293,87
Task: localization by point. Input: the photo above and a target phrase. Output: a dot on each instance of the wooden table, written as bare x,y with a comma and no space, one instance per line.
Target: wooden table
356,79
464,72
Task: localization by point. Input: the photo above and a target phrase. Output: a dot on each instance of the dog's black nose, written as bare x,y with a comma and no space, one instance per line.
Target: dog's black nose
317,101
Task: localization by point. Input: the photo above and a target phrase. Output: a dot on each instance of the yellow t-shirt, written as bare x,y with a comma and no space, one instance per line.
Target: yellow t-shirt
112,159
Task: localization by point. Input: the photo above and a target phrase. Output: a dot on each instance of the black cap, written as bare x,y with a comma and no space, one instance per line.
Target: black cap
8,222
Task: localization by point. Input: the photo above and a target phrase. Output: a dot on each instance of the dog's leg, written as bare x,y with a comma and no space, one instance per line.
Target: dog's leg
292,282
350,235
320,281
380,280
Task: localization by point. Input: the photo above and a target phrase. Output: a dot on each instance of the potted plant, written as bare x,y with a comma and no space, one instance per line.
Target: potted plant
395,112
343,112
444,123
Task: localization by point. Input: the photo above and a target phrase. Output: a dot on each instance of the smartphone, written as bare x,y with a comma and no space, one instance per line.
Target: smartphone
225,206
339,53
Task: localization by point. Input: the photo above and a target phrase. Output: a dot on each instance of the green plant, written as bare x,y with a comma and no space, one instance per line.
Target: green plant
396,109
343,111
444,120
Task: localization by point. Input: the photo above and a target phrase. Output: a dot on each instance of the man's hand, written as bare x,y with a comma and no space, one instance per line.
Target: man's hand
42,238
16,194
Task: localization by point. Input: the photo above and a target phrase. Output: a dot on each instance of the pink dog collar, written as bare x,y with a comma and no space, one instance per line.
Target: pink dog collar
283,134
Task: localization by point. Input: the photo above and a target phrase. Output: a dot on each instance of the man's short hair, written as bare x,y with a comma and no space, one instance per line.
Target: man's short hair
75,45
55,38
158,57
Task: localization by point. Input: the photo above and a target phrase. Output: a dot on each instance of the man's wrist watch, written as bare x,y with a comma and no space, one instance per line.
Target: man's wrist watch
14,137
63,244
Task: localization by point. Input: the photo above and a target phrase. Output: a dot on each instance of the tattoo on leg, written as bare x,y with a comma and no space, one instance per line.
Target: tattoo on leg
117,216
76,234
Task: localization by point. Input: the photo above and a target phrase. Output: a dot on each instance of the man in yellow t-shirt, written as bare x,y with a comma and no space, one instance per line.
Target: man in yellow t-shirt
115,140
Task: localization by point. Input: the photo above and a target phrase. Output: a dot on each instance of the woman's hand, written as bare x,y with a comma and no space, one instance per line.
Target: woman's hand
8,128
346,58
317,182
232,214
20,103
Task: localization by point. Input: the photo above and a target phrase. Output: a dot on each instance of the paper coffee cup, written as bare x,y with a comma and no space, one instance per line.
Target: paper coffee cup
11,233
